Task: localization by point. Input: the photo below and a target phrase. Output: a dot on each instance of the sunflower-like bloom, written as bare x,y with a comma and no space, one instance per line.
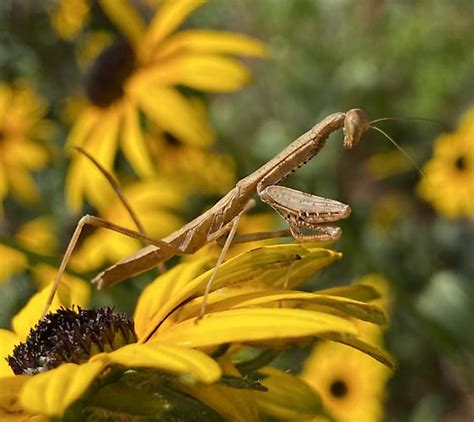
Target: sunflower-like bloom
247,306
140,73
351,385
22,128
449,181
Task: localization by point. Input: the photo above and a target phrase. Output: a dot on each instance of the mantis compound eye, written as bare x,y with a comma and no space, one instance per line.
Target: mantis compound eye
356,123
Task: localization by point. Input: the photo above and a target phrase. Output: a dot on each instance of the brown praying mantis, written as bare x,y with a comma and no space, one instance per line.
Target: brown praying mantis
310,218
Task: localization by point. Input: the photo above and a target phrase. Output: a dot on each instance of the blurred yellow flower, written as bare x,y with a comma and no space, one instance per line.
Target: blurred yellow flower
195,168
246,306
351,384
13,262
141,73
449,181
156,202
22,125
68,17
37,236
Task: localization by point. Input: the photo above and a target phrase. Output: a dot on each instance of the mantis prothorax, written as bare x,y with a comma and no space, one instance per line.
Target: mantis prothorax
310,217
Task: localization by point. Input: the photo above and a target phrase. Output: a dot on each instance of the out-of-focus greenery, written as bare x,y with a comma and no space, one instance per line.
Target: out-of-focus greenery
393,59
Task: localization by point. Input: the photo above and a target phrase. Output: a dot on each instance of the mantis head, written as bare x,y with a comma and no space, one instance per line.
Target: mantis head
356,123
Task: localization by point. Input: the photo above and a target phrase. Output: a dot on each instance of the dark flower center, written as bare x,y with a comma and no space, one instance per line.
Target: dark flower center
73,336
460,163
170,139
338,389
105,80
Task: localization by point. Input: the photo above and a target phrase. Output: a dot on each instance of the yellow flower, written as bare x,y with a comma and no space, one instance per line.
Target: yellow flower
246,306
36,236
449,181
13,262
68,293
351,384
22,125
141,74
192,167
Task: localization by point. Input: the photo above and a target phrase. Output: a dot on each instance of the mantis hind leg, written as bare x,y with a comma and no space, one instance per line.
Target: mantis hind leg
98,222
231,233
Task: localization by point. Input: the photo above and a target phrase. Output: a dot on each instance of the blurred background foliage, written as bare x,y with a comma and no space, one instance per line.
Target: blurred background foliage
397,58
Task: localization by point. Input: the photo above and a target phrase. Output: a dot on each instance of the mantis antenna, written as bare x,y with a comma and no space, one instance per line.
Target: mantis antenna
402,150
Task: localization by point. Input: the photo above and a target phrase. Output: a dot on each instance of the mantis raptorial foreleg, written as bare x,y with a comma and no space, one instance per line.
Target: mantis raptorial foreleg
304,211
301,211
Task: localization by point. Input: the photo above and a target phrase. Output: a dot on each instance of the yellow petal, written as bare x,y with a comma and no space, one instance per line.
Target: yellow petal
98,135
51,393
38,235
69,17
82,126
3,186
74,186
234,404
250,294
287,397
10,408
23,186
173,113
72,290
156,294
29,316
125,17
360,292
133,144
193,364
8,340
369,349
360,310
28,154
208,41
240,325
276,265
201,72
103,146
169,16
13,261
